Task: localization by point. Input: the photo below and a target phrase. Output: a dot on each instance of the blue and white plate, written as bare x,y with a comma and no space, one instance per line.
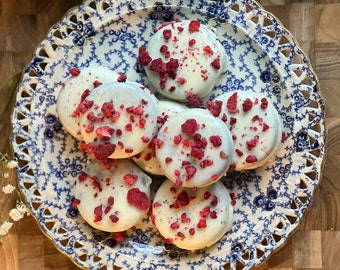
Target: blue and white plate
262,57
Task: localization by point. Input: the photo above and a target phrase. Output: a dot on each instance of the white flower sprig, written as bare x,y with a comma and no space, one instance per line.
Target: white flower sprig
15,214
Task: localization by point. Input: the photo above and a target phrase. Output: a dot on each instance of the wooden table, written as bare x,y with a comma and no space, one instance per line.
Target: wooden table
316,25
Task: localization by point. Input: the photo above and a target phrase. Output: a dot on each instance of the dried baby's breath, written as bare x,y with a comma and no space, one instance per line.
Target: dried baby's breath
8,180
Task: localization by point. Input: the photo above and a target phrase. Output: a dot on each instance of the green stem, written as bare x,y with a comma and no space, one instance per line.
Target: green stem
8,101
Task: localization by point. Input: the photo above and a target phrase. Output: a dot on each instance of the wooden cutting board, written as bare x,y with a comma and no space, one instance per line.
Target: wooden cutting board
316,24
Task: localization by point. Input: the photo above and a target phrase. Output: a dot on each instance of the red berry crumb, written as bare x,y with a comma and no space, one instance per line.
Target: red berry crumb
143,56
174,226
119,236
167,34
139,199
251,159
98,212
74,71
191,171
215,107
189,127
247,105
194,26
110,200
114,218
202,223
194,100
75,203
181,200
130,178
215,140
232,104
205,211
104,150
264,103
216,63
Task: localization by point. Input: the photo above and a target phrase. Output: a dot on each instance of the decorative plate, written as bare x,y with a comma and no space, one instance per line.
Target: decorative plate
262,56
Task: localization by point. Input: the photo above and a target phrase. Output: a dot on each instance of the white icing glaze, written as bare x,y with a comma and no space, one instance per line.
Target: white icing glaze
126,125
147,159
194,148
72,90
106,189
200,56
192,218
256,131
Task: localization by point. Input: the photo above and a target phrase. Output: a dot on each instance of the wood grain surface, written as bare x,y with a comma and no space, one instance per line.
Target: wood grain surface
316,24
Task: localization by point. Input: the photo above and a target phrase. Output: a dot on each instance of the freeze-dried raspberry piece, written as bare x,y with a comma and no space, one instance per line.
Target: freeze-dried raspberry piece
119,236
206,162
215,107
171,68
98,212
265,127
194,26
111,200
181,200
264,103
194,100
139,199
247,105
104,132
130,178
190,126
114,218
167,34
215,140
207,49
85,94
185,218
174,226
216,64
191,171
205,211
232,104
251,159
143,56
202,223
74,71
197,152
75,203
192,42
122,77
103,150
252,143
156,65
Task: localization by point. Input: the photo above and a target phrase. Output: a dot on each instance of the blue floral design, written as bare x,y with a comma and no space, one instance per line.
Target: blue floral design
217,9
140,237
174,252
161,12
72,212
82,31
53,126
266,202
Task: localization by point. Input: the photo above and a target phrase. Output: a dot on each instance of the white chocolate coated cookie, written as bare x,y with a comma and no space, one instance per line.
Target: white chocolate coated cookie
192,218
183,58
194,148
255,125
147,159
80,83
120,120
114,197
